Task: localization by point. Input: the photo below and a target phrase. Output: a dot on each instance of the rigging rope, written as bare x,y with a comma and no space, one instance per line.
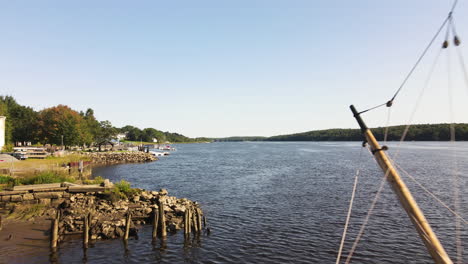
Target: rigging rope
348,216
403,136
431,194
456,201
366,220
390,102
387,124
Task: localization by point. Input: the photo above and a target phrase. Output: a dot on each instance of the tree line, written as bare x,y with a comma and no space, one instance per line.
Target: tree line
421,132
62,125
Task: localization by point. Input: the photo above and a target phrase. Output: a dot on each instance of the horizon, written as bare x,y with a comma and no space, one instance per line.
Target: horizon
215,69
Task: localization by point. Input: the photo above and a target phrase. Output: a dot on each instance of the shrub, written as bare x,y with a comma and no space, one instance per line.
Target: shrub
97,180
4,179
7,148
123,189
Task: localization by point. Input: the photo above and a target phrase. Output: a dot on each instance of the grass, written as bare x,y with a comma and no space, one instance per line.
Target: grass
4,179
139,142
49,162
121,190
26,212
45,177
97,180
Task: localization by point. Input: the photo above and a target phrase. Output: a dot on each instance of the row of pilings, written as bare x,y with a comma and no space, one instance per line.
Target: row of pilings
194,223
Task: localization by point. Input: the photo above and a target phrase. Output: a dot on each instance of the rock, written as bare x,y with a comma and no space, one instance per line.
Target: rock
136,198
44,195
28,196
179,209
5,198
44,201
163,192
148,210
16,198
107,184
119,232
146,196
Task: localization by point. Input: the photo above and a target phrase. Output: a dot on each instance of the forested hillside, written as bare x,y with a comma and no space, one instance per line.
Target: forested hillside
427,132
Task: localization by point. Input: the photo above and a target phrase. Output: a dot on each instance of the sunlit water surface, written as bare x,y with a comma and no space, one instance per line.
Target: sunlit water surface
287,203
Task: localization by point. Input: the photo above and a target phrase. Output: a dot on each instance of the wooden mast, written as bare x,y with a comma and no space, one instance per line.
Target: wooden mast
433,245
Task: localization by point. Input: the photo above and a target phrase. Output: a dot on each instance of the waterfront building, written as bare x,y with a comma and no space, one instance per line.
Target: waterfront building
2,131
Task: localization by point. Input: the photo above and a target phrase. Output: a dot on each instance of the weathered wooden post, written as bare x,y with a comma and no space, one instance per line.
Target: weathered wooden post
54,231
189,221
199,219
186,231
85,231
155,222
128,221
194,220
162,219
80,169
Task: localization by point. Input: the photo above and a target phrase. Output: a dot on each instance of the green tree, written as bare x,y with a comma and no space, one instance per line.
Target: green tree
106,133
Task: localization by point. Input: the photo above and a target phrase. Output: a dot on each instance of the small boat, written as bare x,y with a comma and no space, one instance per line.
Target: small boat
167,147
159,154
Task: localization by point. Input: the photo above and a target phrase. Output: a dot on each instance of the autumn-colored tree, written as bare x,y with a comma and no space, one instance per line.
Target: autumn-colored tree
61,121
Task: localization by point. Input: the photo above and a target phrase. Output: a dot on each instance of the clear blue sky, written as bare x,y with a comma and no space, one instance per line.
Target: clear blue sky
224,68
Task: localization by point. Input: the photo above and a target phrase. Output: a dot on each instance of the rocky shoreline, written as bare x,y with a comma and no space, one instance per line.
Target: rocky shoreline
105,208
119,157
108,217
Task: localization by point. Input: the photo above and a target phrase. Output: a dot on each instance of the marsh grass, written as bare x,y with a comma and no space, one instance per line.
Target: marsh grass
45,177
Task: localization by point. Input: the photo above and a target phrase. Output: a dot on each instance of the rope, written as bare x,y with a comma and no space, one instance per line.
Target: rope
348,216
456,201
431,194
387,124
398,148
366,220
390,102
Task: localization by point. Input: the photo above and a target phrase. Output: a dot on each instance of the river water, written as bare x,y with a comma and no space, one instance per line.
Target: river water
286,202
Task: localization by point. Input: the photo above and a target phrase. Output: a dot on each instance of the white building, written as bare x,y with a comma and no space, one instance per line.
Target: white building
121,136
2,132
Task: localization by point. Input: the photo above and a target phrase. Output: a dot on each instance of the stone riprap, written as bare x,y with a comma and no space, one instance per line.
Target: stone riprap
107,213
119,157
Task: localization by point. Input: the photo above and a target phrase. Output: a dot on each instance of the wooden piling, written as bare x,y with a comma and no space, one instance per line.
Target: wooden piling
194,221
162,220
186,217
199,219
85,231
54,231
204,221
155,222
128,221
189,220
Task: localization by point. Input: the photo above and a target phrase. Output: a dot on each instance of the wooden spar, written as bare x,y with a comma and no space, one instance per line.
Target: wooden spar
433,245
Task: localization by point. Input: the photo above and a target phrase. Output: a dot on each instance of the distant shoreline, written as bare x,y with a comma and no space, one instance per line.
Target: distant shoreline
423,132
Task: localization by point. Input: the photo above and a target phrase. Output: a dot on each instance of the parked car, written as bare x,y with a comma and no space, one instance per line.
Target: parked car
19,155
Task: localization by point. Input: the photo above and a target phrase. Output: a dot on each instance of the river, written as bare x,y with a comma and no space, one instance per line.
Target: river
286,202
